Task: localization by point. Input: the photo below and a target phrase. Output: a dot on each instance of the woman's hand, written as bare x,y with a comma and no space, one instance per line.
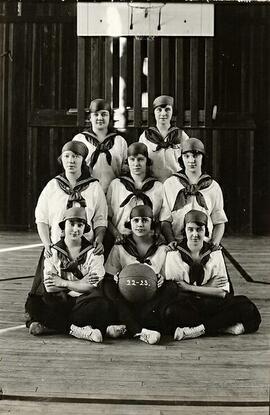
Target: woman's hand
160,280
119,239
47,251
53,280
172,246
98,248
183,285
218,281
93,279
116,277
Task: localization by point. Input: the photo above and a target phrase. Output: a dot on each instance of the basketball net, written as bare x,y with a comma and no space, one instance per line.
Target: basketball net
146,10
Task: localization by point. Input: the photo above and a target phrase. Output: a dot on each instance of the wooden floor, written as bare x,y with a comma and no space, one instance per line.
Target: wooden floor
59,374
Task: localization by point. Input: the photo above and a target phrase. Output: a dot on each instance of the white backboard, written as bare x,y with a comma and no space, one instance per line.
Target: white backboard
145,19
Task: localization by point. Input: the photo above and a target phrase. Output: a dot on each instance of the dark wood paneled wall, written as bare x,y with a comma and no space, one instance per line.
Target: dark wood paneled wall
38,48
43,63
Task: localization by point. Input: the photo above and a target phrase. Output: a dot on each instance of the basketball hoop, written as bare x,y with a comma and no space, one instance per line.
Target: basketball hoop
146,10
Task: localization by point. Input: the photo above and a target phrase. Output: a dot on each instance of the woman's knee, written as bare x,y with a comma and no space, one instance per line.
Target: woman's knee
250,314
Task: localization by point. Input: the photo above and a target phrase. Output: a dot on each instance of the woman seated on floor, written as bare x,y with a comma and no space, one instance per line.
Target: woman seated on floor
141,319
205,306
72,302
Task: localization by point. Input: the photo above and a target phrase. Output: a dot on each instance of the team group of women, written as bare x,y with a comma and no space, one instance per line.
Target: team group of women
147,203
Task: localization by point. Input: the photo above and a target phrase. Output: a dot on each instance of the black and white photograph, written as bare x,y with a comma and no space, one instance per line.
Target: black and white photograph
135,207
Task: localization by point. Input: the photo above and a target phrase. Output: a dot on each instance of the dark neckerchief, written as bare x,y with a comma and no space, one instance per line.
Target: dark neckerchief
191,190
196,268
131,248
103,147
129,184
74,195
174,136
68,264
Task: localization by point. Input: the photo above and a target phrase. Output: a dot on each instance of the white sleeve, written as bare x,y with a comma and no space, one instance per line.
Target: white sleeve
175,268
93,265
218,267
113,264
165,213
42,208
218,215
101,209
50,265
142,138
79,137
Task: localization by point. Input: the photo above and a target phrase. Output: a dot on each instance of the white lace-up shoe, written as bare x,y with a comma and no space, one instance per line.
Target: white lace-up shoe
116,331
86,333
237,329
149,336
183,333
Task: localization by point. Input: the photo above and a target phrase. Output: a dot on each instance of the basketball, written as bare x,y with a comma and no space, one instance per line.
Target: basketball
137,283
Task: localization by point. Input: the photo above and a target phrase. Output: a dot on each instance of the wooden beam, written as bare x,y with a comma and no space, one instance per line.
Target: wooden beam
208,80
179,80
81,82
108,69
137,84
194,81
165,66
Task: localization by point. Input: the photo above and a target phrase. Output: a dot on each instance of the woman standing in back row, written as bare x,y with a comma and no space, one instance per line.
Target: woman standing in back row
163,141
107,150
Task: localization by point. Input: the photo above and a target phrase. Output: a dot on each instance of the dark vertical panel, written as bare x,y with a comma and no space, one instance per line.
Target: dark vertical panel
54,68
52,153
251,84
165,66
251,180
19,124
9,133
81,82
216,138
244,70
194,81
208,81
137,85
96,70
151,78
101,50
4,71
116,72
60,65
32,173
179,80
87,70
108,69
